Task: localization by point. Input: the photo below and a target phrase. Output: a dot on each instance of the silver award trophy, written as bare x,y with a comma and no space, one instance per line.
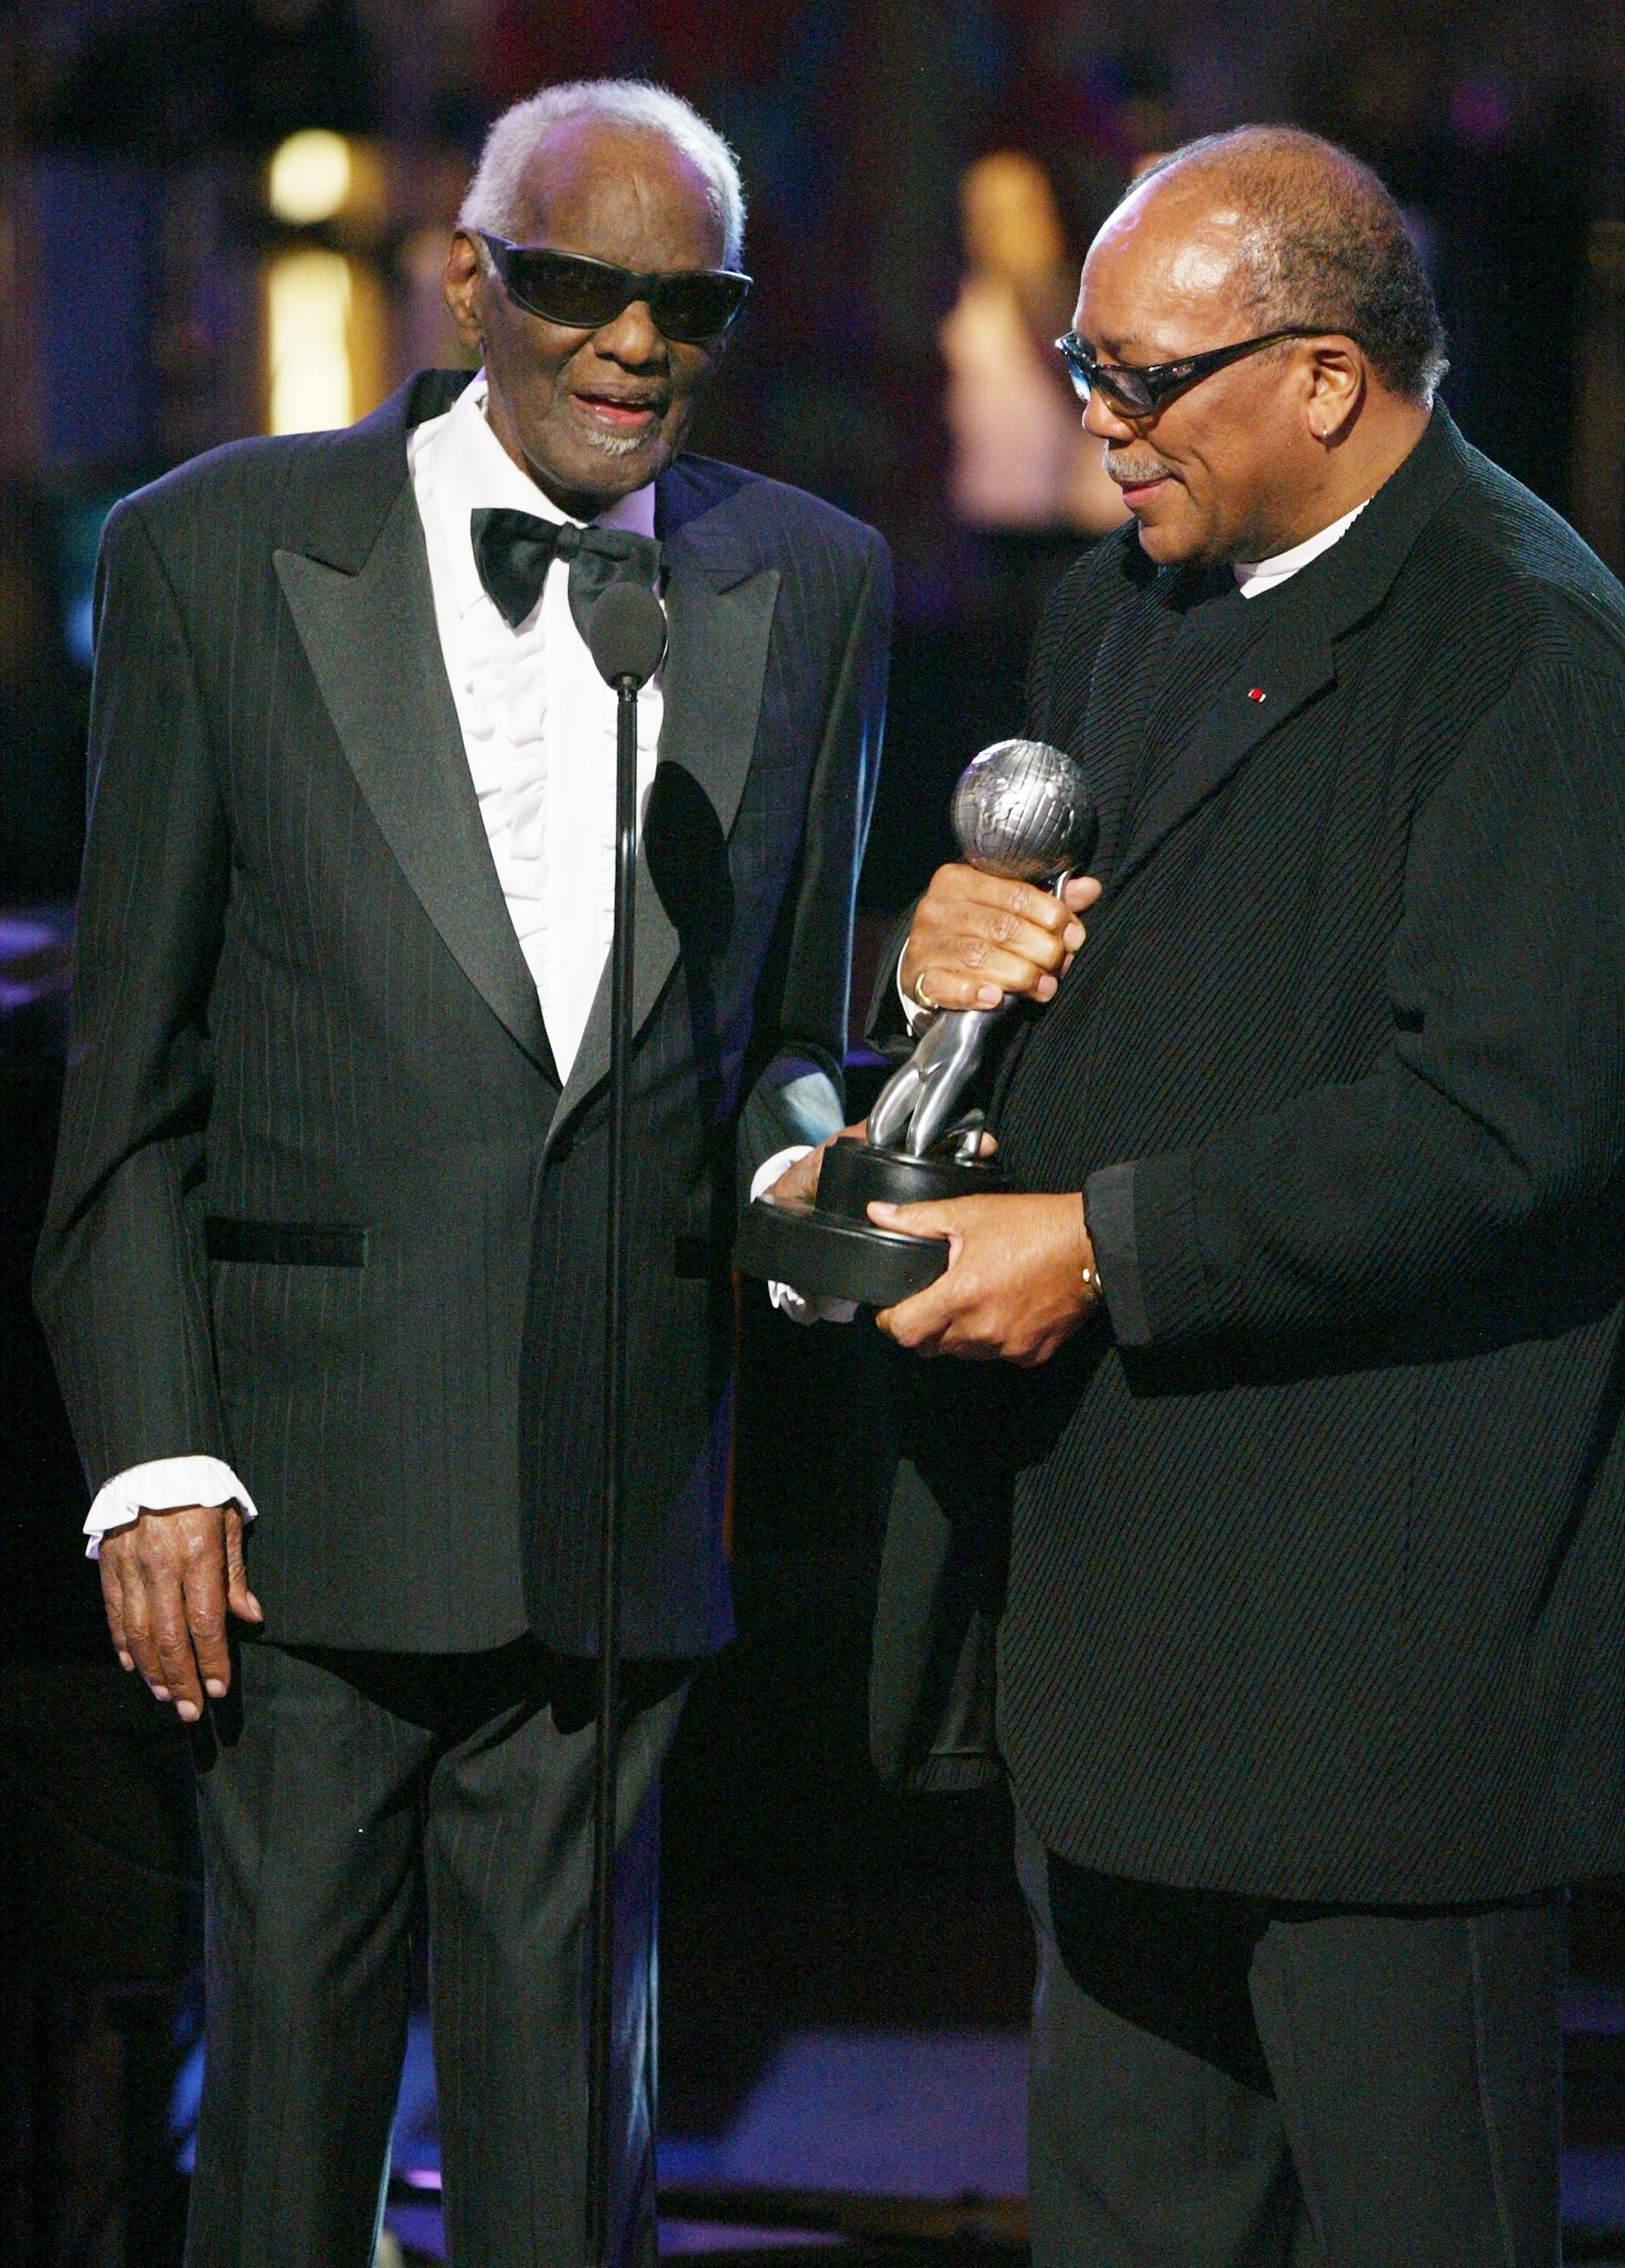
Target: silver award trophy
1020,810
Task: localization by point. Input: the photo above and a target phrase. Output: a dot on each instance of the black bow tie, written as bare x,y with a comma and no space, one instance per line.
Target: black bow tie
513,551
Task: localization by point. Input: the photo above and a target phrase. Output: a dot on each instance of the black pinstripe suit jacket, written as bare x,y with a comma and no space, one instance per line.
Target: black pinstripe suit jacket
1316,1576
300,1005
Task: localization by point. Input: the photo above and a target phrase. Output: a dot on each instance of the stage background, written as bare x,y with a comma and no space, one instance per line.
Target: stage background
176,271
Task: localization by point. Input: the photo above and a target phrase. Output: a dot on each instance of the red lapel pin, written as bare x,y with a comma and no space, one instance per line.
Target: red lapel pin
1256,693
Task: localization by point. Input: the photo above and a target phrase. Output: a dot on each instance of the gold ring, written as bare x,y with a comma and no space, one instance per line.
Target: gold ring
917,992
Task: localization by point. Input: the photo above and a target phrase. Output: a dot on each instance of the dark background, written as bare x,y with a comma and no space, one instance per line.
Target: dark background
134,235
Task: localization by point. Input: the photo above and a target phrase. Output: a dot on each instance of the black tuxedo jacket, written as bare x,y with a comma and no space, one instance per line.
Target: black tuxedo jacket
1316,1556
322,1206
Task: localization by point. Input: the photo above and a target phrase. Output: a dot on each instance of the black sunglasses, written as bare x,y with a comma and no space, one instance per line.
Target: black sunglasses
1142,392
690,305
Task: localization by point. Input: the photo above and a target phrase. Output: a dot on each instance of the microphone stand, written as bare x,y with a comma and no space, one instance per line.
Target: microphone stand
633,610
606,1750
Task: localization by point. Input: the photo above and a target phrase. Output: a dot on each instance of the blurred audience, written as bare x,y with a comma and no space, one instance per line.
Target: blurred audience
1021,460
41,715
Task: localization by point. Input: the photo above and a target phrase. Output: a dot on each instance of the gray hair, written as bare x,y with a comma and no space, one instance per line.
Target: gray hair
495,200
1324,243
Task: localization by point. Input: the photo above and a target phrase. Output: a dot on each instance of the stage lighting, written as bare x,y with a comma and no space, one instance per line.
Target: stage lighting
312,385
310,177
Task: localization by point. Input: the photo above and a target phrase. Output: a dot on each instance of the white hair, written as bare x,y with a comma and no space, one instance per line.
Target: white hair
495,197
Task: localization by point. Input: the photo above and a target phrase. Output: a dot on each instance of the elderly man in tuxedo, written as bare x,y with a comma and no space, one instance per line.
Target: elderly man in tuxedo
324,1268
1291,1476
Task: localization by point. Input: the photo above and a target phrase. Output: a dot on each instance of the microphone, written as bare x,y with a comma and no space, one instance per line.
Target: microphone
626,636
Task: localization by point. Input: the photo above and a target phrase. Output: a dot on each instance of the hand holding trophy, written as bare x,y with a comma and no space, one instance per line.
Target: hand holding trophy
1021,810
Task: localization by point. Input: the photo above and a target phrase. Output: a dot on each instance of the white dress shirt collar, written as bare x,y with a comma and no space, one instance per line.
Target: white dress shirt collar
1257,576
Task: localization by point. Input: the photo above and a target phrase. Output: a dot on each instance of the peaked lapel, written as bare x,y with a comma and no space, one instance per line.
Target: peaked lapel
369,636
719,607
1117,713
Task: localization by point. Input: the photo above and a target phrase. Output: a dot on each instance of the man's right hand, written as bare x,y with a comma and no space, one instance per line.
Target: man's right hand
168,1580
799,1182
975,937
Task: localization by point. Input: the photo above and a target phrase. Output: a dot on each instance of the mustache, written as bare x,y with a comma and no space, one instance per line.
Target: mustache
1128,472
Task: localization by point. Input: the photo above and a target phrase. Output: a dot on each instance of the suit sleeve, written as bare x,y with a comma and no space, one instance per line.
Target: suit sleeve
120,1280
1474,1174
799,1093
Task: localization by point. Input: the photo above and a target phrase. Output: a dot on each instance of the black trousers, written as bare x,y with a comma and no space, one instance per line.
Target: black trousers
332,1788
1221,2082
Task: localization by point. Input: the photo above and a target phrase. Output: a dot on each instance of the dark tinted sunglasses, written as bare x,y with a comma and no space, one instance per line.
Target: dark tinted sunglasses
1142,392
690,305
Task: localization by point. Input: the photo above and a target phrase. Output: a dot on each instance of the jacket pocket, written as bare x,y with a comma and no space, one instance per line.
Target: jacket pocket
286,1243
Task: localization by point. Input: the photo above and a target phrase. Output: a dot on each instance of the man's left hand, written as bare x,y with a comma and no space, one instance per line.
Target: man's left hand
1020,1277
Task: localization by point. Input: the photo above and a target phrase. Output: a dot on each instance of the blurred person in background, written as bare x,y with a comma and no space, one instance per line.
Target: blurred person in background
1021,463
323,1269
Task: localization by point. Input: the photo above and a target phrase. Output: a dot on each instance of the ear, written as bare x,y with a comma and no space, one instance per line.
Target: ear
464,286
1337,371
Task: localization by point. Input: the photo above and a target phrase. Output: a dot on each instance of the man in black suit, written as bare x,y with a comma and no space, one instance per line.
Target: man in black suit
323,1269
1297,1494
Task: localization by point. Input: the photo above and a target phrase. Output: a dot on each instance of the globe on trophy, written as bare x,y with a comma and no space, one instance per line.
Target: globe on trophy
1021,810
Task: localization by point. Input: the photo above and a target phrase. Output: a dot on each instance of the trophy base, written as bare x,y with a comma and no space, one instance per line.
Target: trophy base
830,1249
